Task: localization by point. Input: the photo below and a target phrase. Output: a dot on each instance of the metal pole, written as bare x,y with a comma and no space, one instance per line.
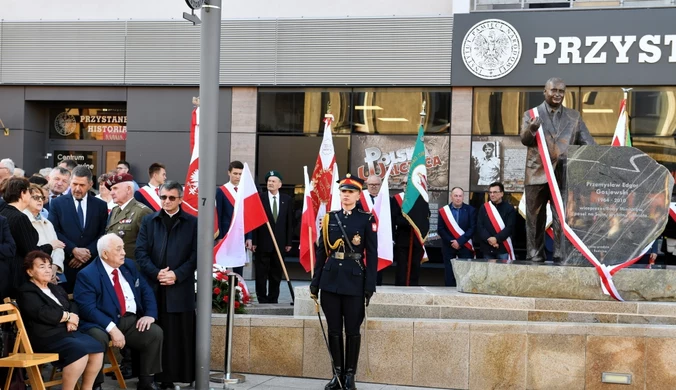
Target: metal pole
210,55
229,377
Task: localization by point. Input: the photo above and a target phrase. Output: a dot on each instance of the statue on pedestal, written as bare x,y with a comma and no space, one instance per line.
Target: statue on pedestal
562,127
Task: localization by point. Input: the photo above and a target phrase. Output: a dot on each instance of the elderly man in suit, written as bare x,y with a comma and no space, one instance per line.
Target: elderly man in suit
456,227
279,208
117,304
562,127
79,220
125,218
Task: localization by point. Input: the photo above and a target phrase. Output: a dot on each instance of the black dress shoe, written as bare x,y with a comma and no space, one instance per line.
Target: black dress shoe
126,372
262,300
167,385
147,386
97,387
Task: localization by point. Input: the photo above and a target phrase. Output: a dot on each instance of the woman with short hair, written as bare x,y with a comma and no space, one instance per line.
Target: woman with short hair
52,322
17,197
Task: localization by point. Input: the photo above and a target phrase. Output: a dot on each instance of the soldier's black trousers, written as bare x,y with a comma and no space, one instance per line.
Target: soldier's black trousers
342,310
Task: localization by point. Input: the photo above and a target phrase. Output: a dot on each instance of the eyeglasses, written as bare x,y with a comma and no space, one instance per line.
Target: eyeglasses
494,192
170,197
38,198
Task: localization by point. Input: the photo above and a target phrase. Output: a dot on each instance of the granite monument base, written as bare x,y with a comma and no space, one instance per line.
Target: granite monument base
548,280
440,338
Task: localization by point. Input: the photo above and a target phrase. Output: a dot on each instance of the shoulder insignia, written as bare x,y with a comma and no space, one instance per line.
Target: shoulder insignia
364,212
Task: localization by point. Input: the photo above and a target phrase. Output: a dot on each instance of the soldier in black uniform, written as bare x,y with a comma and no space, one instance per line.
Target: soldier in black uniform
347,264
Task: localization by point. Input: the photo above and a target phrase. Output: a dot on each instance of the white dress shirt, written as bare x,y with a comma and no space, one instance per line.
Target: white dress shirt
129,301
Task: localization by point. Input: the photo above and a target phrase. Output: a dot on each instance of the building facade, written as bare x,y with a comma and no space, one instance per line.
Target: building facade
112,82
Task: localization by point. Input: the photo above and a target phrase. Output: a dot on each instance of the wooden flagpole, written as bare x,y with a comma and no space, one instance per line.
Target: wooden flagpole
281,261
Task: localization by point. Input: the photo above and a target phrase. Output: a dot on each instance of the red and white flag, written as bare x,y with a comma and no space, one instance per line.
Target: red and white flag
621,136
308,228
191,195
672,211
336,204
383,215
247,215
322,175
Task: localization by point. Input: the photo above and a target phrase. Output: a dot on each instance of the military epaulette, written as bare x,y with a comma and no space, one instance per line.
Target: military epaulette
141,205
364,212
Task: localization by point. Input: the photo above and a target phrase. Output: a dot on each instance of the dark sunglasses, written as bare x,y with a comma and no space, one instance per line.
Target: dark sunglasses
170,197
38,197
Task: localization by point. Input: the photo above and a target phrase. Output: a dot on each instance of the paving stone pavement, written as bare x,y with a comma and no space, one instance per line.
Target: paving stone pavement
265,382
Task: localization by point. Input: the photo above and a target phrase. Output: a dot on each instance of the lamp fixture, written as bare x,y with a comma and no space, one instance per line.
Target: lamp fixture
368,108
393,119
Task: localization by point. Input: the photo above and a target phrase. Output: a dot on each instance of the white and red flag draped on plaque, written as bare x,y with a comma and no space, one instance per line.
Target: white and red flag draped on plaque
248,215
621,136
308,227
382,213
322,175
191,194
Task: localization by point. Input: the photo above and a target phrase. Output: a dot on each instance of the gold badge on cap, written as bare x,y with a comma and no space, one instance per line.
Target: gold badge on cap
356,240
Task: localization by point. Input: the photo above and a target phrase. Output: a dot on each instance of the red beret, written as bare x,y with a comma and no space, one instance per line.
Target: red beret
115,179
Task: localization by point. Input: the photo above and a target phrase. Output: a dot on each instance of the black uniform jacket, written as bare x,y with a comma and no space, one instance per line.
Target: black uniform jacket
346,276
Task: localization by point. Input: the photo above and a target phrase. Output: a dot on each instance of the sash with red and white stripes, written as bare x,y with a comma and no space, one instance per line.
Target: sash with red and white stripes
399,198
228,194
605,272
151,197
453,227
672,211
498,225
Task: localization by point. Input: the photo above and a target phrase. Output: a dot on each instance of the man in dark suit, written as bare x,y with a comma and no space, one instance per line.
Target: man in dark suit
59,181
495,241
456,227
279,209
79,220
117,304
562,127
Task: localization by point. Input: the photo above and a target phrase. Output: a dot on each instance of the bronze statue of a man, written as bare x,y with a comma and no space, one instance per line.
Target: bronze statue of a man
562,127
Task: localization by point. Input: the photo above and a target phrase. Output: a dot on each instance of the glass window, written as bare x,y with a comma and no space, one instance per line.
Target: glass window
302,110
652,110
662,149
288,155
101,124
88,158
500,159
500,111
397,110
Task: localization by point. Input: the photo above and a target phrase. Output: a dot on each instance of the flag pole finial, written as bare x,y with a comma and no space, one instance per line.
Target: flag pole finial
423,114
328,110
196,101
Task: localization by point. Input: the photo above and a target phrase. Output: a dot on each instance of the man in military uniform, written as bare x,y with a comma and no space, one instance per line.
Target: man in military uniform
347,279
125,218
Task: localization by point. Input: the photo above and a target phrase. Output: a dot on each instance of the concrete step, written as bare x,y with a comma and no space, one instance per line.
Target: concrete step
269,309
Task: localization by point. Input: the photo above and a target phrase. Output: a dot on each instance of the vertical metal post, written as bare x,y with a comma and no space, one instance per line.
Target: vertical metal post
210,55
229,377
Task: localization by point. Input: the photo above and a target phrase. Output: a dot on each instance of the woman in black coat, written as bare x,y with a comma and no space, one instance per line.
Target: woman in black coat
17,195
52,324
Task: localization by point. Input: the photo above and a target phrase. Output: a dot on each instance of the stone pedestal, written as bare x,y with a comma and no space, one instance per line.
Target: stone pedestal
525,279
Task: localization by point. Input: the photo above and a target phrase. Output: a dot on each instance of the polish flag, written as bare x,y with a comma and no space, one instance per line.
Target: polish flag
335,191
621,136
381,212
308,228
248,215
322,175
191,193
191,196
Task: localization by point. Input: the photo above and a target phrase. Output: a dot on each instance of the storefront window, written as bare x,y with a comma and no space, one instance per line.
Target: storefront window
89,158
397,110
288,155
80,123
652,111
662,149
302,110
500,111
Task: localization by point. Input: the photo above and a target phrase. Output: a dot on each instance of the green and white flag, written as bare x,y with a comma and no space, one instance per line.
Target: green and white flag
416,207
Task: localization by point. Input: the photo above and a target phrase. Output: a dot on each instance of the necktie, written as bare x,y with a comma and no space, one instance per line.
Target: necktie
80,213
157,191
274,208
118,291
235,189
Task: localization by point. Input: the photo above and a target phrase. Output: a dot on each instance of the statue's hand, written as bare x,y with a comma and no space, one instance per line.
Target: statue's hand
534,124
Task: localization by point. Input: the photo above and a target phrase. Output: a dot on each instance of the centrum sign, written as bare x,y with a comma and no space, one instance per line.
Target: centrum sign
584,47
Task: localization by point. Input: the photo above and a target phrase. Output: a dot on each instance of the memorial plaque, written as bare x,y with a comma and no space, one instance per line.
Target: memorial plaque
617,201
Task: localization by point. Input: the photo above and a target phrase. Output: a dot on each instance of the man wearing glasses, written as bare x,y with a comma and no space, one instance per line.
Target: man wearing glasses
166,251
122,168
495,225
